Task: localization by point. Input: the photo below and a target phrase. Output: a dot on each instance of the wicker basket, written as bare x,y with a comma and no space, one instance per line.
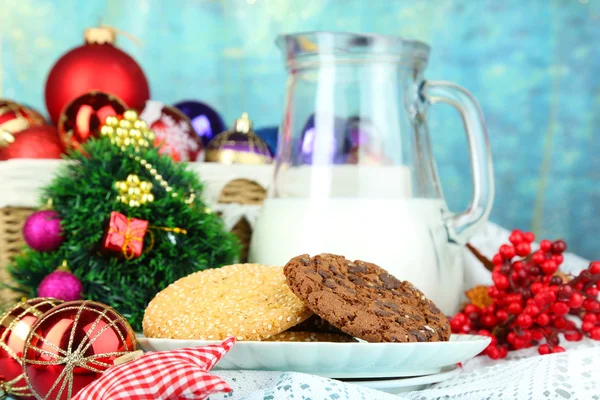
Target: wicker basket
11,243
247,192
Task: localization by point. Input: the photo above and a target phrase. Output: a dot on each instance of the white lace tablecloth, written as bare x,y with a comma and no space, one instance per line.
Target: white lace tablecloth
523,375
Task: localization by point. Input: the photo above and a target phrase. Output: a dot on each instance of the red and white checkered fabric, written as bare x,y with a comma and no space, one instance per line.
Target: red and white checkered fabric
163,375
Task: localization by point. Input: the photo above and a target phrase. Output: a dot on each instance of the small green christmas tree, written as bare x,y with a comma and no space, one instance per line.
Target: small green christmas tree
121,178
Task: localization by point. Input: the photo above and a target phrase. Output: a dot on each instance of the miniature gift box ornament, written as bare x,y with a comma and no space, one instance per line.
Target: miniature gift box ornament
125,235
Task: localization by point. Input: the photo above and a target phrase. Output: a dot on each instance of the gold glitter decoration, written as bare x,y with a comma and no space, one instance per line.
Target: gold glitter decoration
159,178
11,321
134,191
74,355
191,198
129,131
174,230
16,118
6,138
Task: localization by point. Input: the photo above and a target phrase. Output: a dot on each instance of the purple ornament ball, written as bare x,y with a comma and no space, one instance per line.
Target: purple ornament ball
42,231
270,135
206,120
61,285
338,147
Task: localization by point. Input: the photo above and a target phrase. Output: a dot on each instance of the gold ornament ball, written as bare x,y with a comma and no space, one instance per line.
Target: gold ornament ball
131,115
133,179
135,133
140,124
128,131
111,121
125,124
107,130
134,191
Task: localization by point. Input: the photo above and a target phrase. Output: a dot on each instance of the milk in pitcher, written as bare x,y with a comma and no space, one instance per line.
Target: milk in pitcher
405,236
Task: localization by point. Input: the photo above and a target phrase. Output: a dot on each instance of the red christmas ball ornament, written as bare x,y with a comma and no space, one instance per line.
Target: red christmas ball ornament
15,325
84,116
35,142
72,345
15,117
96,65
175,135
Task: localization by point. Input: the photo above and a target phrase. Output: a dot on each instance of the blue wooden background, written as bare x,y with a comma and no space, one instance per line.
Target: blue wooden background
534,66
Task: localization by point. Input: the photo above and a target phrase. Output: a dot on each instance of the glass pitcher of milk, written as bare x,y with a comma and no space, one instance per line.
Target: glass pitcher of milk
354,172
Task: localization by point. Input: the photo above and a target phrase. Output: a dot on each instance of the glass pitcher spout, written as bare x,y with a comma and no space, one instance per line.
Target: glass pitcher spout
303,49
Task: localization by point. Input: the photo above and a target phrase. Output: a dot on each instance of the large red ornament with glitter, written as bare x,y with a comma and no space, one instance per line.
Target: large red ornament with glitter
530,300
83,117
96,65
175,135
125,235
15,117
15,325
35,142
72,345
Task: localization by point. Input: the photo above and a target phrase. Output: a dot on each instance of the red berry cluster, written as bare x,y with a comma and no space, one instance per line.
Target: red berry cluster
531,303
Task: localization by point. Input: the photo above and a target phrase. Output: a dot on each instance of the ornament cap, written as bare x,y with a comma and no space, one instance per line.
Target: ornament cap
100,35
243,124
64,267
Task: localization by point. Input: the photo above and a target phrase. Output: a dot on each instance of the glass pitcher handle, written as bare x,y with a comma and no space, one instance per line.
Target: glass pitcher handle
463,225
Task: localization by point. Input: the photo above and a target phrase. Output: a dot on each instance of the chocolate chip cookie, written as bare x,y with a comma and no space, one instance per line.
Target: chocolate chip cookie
364,300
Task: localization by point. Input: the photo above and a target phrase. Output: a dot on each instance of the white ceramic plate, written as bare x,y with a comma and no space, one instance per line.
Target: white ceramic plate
340,360
402,385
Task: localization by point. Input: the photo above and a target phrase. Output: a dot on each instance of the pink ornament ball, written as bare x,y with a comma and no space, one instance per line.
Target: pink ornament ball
61,285
42,231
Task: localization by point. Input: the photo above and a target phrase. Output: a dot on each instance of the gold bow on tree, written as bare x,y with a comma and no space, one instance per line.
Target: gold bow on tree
128,131
134,191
